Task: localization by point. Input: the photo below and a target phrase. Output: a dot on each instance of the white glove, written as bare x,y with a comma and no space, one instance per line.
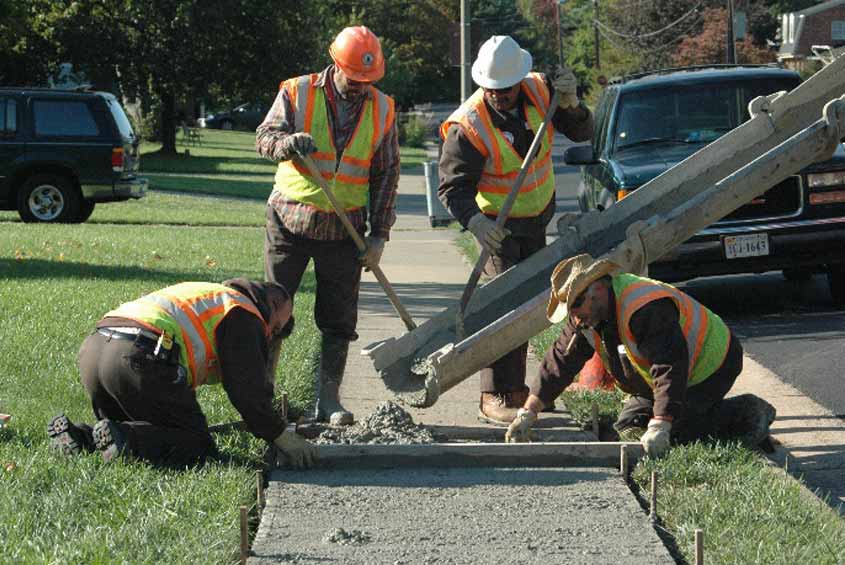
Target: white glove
566,86
299,144
488,234
656,438
298,451
372,255
520,429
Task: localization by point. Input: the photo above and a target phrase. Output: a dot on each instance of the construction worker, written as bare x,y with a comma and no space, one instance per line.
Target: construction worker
143,363
348,127
675,357
485,141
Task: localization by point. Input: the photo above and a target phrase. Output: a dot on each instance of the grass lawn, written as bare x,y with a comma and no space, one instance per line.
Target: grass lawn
750,511
56,281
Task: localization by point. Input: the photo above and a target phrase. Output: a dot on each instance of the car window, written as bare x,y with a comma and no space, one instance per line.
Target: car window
8,116
123,124
698,113
67,118
602,119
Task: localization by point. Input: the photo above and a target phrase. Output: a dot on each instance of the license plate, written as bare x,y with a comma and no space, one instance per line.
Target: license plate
737,246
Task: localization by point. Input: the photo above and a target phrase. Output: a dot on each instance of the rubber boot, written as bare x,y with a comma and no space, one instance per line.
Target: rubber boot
746,417
333,352
69,438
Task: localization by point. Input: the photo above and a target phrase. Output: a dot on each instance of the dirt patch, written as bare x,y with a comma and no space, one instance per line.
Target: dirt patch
389,424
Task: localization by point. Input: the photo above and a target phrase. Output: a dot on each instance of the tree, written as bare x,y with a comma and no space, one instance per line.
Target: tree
29,56
166,51
709,46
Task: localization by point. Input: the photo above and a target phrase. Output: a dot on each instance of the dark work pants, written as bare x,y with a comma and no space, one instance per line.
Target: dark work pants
698,418
507,374
337,270
161,421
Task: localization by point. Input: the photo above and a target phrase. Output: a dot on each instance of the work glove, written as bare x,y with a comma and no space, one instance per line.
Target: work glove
656,438
520,429
488,234
298,451
566,86
298,144
371,256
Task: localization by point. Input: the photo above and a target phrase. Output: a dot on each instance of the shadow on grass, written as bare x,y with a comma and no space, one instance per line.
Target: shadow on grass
251,190
199,164
41,269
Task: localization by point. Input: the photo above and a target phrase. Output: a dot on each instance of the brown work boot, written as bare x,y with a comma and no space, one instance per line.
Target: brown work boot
500,409
69,438
109,439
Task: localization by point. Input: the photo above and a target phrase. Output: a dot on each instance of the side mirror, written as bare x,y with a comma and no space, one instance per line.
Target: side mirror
579,155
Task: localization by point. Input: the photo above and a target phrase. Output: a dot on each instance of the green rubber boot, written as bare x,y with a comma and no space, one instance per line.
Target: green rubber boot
333,352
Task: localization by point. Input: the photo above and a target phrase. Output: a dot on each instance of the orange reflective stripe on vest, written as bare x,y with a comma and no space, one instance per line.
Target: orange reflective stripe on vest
502,161
706,334
189,313
349,174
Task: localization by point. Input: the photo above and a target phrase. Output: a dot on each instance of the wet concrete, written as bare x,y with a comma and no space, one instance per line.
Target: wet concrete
457,515
387,424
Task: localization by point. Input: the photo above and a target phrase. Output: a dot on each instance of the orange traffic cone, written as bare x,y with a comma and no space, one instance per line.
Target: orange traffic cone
593,376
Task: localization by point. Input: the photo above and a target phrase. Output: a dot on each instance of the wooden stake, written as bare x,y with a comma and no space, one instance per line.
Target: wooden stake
623,461
653,513
699,547
259,489
244,536
595,417
285,406
786,463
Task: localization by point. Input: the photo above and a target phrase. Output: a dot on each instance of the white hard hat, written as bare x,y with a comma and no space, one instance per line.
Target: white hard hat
501,63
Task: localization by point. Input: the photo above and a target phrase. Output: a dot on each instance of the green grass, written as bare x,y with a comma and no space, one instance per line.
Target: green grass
750,511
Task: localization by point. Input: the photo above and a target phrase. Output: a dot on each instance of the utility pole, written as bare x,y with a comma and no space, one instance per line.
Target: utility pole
730,52
466,77
596,30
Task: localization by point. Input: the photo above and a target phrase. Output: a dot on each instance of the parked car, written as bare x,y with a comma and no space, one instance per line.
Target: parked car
62,151
647,123
244,117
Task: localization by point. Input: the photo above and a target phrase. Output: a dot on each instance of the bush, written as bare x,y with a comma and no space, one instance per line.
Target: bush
414,131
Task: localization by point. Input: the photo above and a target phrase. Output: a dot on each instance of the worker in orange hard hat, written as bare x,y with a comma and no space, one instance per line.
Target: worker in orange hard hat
348,128
484,143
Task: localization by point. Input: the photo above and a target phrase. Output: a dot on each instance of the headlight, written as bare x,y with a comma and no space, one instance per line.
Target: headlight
818,180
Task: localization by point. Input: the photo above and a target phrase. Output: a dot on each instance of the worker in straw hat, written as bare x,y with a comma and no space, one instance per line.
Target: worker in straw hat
348,127
675,357
485,142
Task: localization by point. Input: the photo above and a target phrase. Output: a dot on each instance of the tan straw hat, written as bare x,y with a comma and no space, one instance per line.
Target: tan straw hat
570,278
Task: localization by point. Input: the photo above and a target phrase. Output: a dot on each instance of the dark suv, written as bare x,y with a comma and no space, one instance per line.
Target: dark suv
647,123
62,151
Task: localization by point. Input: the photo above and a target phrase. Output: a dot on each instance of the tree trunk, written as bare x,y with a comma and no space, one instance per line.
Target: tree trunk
168,123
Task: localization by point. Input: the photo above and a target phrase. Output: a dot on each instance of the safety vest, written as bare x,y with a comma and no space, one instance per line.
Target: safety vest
706,334
502,161
189,313
350,177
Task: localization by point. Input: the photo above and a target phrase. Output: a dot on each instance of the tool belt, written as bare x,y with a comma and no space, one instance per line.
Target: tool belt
155,346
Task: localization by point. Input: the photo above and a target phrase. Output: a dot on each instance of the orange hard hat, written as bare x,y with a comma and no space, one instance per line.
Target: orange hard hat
357,52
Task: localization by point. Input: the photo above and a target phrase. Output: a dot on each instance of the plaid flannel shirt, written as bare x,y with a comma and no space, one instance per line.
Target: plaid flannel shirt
305,220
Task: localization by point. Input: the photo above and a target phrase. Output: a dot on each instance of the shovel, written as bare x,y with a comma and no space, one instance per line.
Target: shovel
356,237
502,217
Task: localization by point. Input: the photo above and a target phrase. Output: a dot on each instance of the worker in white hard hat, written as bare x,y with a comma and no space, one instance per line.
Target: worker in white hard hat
348,127
485,141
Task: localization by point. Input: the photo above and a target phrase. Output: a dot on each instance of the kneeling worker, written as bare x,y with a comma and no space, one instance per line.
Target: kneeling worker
675,357
142,364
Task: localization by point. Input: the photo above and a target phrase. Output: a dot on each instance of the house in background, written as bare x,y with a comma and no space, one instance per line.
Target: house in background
810,37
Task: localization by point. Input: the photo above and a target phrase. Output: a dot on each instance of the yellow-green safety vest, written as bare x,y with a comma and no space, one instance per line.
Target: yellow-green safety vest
502,161
189,314
349,177
706,334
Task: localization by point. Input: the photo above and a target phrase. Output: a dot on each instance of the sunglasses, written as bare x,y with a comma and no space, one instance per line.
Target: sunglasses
499,90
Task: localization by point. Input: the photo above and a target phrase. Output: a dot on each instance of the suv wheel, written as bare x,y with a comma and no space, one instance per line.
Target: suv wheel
836,281
48,198
85,211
